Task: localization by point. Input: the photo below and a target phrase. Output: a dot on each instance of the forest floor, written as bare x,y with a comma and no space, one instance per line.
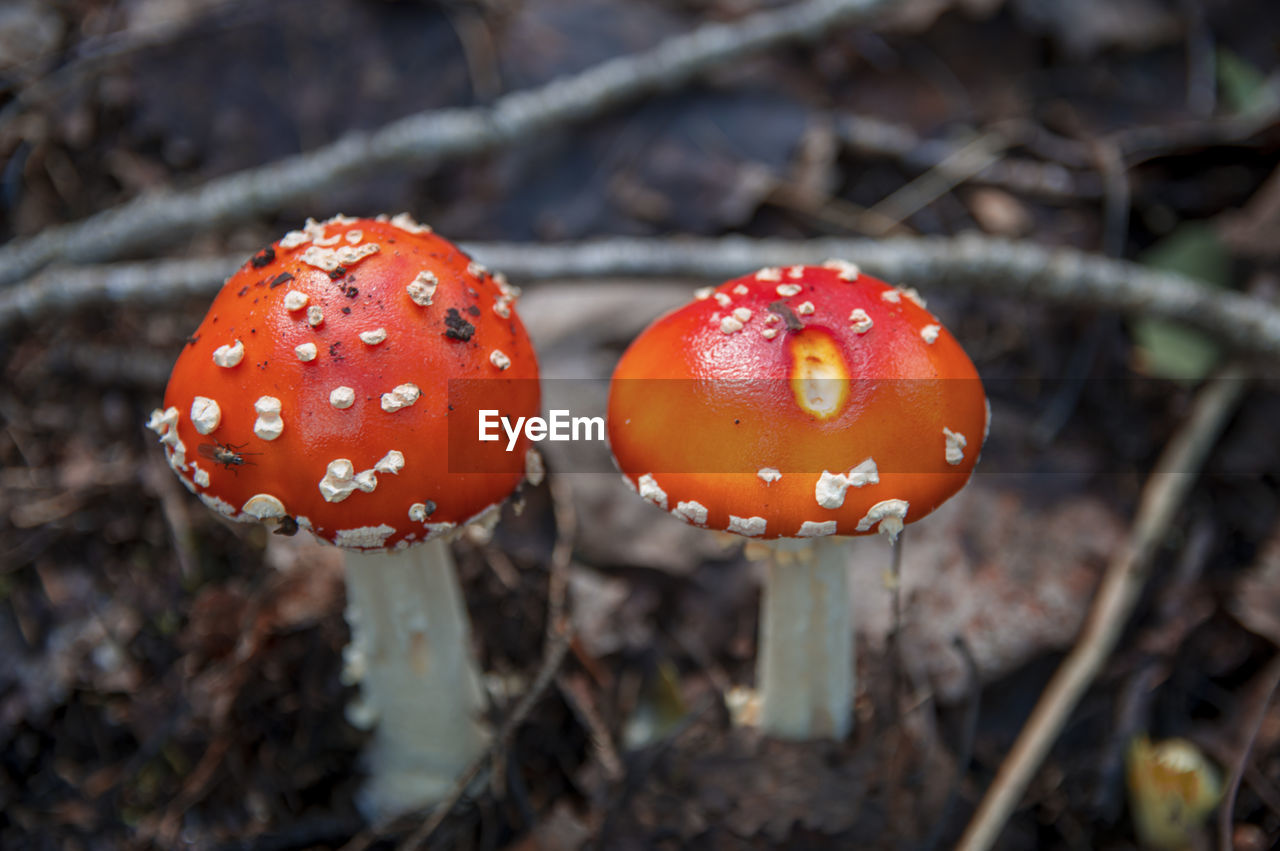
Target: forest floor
170,680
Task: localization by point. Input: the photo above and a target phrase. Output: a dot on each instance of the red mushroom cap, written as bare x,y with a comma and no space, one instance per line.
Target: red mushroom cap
317,389
807,401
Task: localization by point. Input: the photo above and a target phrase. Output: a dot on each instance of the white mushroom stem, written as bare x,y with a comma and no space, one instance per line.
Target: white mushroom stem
805,664
420,687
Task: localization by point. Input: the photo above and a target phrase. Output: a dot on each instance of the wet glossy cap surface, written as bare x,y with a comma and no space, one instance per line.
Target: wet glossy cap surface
798,402
316,390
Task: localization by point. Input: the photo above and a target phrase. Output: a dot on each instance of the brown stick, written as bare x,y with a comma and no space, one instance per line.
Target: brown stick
1121,586
551,660
969,264
1270,682
161,217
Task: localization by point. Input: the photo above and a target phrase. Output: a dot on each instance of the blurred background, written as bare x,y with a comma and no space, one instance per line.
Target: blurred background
170,680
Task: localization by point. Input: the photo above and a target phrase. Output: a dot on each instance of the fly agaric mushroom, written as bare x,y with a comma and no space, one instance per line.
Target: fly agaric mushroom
317,394
808,402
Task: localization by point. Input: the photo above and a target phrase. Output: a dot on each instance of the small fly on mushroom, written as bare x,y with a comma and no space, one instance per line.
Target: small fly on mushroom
287,526
226,454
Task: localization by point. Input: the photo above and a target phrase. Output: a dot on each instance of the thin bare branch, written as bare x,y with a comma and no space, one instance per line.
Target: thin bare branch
160,217
553,656
559,637
561,555
66,289
1021,175
578,697
91,56
1121,587
1266,691
964,264
1065,175
1139,144
966,162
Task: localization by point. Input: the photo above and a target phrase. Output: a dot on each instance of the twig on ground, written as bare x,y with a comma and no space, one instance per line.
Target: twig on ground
874,136
1269,682
1139,144
502,567
561,554
964,163
641,763
576,694
1202,61
1116,206
840,214
1121,586
432,136
1117,198
552,657
63,289
478,49
91,362
969,263
90,56
559,637
1180,607
964,752
310,831
1062,176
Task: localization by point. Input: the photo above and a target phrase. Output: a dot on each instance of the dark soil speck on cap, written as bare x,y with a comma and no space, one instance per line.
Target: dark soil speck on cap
458,328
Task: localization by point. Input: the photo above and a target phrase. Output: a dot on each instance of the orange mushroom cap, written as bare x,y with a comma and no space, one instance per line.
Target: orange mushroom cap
798,402
317,389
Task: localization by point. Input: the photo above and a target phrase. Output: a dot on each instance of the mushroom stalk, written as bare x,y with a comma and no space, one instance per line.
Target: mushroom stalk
420,687
805,667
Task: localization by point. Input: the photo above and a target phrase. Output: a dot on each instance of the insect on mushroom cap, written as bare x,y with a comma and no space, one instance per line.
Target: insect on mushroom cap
798,402
317,391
